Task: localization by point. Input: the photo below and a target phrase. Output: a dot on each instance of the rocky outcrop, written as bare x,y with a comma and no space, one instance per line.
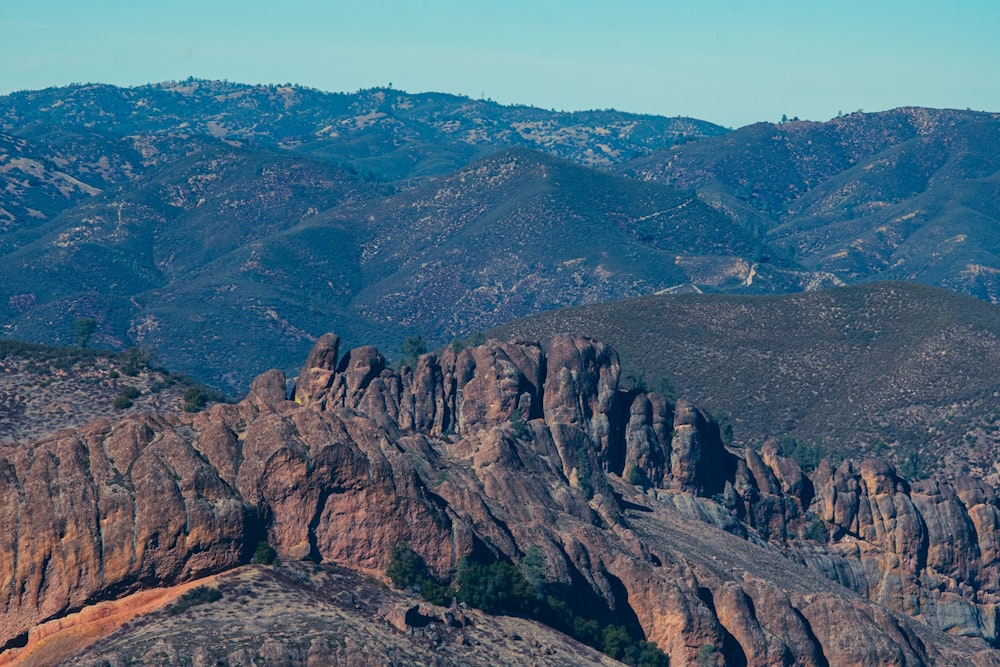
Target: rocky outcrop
106,510
633,505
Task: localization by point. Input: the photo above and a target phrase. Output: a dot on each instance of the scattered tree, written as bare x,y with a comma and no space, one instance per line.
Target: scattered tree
84,327
195,596
721,418
133,360
194,399
413,347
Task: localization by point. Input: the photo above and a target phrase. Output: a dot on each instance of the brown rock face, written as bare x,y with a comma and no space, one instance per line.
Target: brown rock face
105,510
316,375
719,557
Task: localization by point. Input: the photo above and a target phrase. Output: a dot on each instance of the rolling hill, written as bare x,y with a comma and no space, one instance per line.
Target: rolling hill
226,261
898,370
907,194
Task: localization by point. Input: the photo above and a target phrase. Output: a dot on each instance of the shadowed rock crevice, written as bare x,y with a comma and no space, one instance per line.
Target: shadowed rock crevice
731,650
820,658
314,552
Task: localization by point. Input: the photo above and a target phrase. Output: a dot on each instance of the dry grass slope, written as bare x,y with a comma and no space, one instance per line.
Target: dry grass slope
895,369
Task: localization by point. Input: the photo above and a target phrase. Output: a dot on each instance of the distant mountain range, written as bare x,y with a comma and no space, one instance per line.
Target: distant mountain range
908,194
224,226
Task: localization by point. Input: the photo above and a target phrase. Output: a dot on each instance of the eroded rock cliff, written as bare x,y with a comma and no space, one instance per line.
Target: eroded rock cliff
634,504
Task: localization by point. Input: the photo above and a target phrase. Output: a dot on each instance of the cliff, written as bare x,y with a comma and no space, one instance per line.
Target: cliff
633,503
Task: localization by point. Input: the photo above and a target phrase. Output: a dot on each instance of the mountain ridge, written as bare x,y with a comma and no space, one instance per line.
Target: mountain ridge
903,194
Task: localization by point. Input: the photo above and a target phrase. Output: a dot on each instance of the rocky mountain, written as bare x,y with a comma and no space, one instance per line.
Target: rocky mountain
219,224
896,370
907,194
625,504
521,232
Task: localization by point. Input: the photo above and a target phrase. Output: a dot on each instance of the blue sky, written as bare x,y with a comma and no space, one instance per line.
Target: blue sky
733,62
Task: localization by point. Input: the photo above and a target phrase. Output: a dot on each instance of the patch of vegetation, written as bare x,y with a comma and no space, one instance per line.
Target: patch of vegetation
496,588
412,348
806,454
636,476
584,473
194,399
721,418
503,588
61,357
517,424
133,361
195,596
815,530
406,569
124,398
84,328
264,554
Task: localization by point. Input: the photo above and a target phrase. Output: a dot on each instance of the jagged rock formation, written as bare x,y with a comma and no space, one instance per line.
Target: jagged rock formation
717,555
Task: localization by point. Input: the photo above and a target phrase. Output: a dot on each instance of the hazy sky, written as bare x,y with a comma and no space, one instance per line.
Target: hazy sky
733,62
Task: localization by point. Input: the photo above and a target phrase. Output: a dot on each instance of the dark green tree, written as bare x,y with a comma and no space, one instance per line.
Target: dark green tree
412,348
194,399
496,588
264,554
133,360
84,327
405,567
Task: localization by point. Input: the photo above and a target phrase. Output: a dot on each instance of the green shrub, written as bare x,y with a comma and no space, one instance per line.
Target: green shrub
194,399
517,425
264,554
412,348
406,569
133,360
721,418
807,455
84,327
815,530
124,398
583,473
636,476
194,597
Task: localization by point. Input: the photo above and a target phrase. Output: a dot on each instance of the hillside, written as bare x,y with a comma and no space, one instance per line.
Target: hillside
299,614
225,225
229,259
46,389
897,370
521,232
907,194
172,262
384,133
